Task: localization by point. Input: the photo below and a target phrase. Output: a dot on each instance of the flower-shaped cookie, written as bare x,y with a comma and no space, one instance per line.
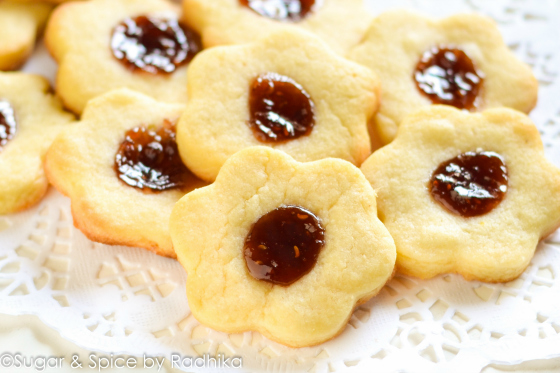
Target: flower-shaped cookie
340,23
121,169
460,61
466,193
43,1
108,44
288,91
30,119
280,247
20,25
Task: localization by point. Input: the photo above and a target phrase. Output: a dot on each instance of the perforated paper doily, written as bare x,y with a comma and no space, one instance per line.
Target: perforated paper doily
123,300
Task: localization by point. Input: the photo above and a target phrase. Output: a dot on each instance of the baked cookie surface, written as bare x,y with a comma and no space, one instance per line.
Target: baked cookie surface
21,22
109,44
120,195
481,220
43,1
461,61
212,228
288,91
30,119
340,23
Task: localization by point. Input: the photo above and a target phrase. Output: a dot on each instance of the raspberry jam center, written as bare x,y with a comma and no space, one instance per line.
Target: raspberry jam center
284,245
448,76
280,109
281,10
7,123
471,184
148,159
153,45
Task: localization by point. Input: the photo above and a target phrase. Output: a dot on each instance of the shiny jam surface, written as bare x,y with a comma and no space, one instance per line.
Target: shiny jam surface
284,245
281,10
154,45
7,123
280,109
148,159
470,184
448,76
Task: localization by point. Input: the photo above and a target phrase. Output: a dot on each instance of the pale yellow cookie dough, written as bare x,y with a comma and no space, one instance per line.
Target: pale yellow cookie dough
78,36
495,247
209,227
20,24
214,125
45,1
340,23
396,41
39,118
80,164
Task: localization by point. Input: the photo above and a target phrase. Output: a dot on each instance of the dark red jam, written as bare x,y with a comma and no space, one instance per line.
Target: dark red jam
284,245
7,123
471,184
281,10
280,109
448,76
148,159
154,45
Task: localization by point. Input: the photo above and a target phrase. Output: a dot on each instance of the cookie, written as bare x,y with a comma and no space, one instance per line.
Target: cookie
20,25
340,23
466,193
288,91
120,167
460,61
108,44
284,248
30,119
44,1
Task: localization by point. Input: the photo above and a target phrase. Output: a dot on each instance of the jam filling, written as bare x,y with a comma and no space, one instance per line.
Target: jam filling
448,76
284,245
281,10
148,159
7,123
280,109
153,45
470,184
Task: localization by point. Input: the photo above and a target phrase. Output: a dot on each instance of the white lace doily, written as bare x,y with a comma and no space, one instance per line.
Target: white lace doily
123,300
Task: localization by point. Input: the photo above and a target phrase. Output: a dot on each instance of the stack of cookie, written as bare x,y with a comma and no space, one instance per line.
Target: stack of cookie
228,135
